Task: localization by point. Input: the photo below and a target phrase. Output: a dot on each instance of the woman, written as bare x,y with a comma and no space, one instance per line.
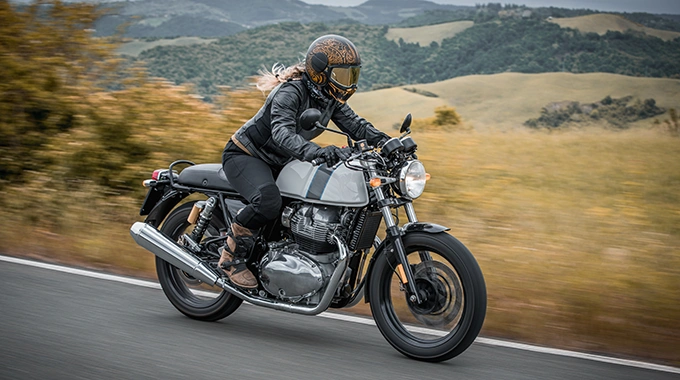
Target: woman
272,138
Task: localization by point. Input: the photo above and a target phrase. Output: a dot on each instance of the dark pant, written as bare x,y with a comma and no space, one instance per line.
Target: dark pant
254,180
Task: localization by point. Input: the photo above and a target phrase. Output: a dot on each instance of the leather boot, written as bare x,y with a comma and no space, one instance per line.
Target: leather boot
233,254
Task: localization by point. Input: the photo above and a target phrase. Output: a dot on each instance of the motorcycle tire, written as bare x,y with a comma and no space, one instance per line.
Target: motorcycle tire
190,296
451,286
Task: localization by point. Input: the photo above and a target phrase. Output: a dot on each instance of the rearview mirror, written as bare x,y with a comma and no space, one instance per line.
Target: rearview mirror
309,118
406,124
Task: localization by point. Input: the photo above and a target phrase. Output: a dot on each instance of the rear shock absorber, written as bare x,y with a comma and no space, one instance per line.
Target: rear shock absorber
203,220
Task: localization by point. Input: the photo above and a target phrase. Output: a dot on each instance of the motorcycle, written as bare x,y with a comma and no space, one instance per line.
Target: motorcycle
425,289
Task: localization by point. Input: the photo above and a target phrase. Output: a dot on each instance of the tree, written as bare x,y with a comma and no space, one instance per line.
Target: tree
47,58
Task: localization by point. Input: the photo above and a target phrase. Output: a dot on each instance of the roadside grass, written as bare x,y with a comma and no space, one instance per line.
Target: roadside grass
577,232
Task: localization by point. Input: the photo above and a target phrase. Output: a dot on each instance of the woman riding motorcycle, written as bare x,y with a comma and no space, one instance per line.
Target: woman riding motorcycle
264,144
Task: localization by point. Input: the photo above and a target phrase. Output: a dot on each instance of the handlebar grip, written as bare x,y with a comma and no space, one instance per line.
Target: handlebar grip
318,161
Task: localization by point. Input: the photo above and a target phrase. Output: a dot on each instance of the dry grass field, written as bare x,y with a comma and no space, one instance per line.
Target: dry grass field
578,233
507,100
425,35
601,23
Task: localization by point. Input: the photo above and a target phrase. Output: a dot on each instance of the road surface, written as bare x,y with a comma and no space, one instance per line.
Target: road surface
56,325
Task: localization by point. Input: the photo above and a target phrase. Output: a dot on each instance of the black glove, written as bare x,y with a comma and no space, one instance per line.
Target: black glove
380,140
331,154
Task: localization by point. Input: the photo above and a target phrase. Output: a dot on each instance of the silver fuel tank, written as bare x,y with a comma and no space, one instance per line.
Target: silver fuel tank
338,186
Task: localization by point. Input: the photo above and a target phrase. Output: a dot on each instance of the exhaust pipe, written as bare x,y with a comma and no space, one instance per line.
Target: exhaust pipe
152,240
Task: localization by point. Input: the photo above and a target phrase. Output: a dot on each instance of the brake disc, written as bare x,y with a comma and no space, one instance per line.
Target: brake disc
441,292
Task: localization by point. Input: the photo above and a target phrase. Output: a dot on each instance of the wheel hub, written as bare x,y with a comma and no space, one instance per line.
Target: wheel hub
432,294
439,292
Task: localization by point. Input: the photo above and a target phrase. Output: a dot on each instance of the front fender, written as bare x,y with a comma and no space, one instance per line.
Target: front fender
163,207
408,228
424,227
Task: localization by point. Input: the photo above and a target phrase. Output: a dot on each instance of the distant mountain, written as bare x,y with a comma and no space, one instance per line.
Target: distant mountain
377,12
219,18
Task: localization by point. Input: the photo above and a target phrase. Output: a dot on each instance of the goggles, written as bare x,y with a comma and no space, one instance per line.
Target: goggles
345,77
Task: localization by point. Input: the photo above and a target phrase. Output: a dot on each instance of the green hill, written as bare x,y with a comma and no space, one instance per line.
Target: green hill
135,47
522,45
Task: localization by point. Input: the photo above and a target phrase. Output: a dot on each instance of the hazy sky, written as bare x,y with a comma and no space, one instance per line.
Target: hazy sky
650,6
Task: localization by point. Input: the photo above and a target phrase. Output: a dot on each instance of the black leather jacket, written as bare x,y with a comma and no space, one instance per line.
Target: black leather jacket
274,135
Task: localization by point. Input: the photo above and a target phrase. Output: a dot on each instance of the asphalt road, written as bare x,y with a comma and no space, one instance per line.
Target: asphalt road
57,325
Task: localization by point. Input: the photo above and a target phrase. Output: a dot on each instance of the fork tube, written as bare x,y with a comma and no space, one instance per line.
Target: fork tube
394,235
411,213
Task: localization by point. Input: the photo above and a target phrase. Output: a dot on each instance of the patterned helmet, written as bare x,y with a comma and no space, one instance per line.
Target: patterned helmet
333,63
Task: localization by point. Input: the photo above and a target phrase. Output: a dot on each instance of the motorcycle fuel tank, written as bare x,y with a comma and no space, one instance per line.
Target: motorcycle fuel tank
335,186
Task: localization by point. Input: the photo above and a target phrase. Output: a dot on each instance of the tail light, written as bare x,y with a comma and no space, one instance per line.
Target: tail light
157,173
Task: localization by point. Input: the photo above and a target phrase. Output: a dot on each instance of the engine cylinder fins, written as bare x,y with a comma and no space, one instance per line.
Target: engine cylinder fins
313,227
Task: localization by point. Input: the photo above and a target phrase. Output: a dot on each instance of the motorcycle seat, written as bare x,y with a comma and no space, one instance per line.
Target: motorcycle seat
210,176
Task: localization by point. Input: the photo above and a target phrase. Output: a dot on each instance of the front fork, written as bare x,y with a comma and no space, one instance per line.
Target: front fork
394,233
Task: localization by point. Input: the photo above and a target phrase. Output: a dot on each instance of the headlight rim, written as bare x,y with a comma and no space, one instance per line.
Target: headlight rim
403,181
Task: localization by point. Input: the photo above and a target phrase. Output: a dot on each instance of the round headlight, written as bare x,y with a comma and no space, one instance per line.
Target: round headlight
412,179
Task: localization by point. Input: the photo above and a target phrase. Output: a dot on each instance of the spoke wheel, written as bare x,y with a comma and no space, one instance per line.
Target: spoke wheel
189,295
452,292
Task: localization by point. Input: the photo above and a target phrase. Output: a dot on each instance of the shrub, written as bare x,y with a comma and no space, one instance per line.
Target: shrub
446,115
673,124
618,112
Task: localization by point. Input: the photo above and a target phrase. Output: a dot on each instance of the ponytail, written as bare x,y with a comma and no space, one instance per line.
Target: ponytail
278,74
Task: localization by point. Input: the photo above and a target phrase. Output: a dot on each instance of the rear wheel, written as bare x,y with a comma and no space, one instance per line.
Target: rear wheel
189,295
453,293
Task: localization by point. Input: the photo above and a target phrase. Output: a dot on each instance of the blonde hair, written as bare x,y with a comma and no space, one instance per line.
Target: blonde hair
278,74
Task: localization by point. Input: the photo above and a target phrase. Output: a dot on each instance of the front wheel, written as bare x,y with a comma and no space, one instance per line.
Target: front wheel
189,295
451,287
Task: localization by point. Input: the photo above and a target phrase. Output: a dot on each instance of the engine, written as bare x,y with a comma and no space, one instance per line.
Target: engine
299,269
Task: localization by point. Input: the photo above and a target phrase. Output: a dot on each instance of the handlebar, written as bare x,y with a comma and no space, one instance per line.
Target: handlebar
358,149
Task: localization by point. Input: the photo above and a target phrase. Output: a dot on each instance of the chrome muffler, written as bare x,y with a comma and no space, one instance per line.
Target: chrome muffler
155,242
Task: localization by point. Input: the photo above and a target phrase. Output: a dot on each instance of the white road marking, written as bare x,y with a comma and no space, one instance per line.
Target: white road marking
82,272
362,320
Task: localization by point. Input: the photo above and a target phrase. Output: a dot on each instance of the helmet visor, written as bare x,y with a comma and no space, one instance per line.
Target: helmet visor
345,77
